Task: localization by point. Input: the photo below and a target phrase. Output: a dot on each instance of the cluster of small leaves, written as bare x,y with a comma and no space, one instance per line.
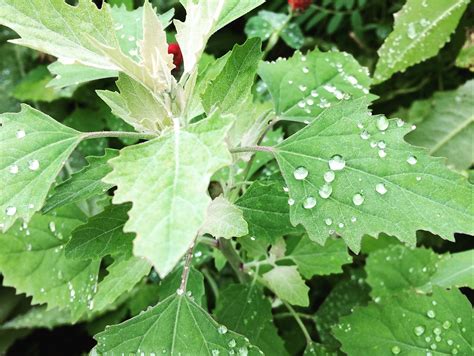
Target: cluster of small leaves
212,208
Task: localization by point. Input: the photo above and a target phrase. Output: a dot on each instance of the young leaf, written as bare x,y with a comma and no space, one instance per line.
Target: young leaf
45,273
84,184
314,259
177,325
33,149
233,84
287,284
421,29
62,30
166,179
245,310
102,235
410,324
304,85
224,219
447,127
362,178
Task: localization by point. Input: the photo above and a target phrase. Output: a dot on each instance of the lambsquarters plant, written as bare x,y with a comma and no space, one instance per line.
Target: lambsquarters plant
286,207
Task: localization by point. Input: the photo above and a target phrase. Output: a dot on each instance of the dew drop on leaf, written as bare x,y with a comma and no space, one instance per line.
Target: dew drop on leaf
364,135
337,163
309,202
13,169
382,123
20,134
314,93
325,191
419,330
232,343
10,210
300,173
396,350
447,324
328,221
412,160
291,202
358,199
34,165
222,329
431,314
329,176
382,154
380,188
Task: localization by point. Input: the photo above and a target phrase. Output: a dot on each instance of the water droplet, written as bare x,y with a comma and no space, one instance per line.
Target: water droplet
291,202
412,160
325,191
179,291
396,350
10,210
337,163
305,70
13,169
447,324
459,320
365,135
222,329
310,102
215,352
329,176
382,154
437,331
328,221
400,122
20,134
419,330
314,93
353,219
309,202
411,32
33,165
286,189
232,343
380,188
454,351
52,226
302,87
358,199
341,225
431,314
382,123
300,173
381,144
418,178
301,104
450,342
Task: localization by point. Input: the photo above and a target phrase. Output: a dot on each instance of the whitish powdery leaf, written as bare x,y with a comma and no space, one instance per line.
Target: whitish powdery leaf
176,326
61,30
33,149
224,219
166,179
410,324
287,284
421,28
362,178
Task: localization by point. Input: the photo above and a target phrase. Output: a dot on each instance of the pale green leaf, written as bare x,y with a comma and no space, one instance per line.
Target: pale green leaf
102,235
33,149
84,184
465,58
362,178
224,219
177,325
39,317
410,324
245,310
166,179
62,30
447,126
314,259
287,284
304,85
421,29
75,74
44,272
265,24
233,84
293,36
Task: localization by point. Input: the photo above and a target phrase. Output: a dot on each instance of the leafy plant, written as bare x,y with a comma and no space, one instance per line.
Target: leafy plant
210,206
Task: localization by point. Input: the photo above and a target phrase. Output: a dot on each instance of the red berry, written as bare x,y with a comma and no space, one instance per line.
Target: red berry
300,5
173,48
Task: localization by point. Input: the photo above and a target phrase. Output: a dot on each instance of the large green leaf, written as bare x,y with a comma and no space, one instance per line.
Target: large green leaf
33,149
287,284
166,179
351,173
84,184
32,259
411,324
447,126
194,286
421,29
177,325
244,309
61,30
304,85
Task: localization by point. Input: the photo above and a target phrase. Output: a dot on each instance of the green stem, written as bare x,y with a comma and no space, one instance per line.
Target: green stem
290,315
233,258
124,134
212,282
186,268
253,149
208,241
299,321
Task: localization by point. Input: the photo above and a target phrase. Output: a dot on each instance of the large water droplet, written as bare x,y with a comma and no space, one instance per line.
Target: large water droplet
419,330
328,221
52,226
232,343
411,32
358,199
34,165
291,202
309,202
13,169
380,188
300,173
431,314
412,160
20,134
382,154
325,191
329,176
381,144
382,123
10,210
337,163
396,350
365,135
222,329
314,93
446,324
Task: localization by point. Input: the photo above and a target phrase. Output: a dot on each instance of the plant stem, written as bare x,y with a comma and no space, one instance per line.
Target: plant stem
252,149
290,315
233,258
125,134
208,241
211,281
299,321
186,268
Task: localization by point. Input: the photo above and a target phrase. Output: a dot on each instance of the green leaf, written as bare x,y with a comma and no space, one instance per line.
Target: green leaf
39,317
194,286
465,58
44,272
224,219
410,324
265,24
166,179
122,276
315,349
287,284
245,310
62,30
75,74
33,149
362,178
177,325
102,235
314,259
233,84
334,23
447,126
420,30
128,4
84,184
293,36
304,85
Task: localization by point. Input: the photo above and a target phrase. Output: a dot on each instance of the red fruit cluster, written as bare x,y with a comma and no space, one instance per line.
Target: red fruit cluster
299,5
173,48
